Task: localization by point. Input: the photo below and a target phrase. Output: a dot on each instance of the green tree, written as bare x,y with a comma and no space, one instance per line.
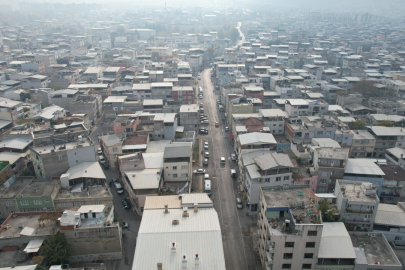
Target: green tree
327,212
385,123
56,249
358,124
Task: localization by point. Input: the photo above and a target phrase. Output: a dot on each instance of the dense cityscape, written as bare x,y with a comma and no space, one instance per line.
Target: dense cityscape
198,136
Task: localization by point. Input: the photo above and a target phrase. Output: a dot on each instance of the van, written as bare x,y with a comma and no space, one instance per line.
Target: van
206,176
207,187
119,188
233,173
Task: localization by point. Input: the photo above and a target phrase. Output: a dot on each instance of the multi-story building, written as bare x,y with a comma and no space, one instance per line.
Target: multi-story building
330,164
89,104
111,146
387,137
62,98
266,170
357,203
289,228
126,124
8,204
189,117
389,220
165,126
363,144
177,162
254,92
11,110
183,94
35,81
38,196
395,156
239,105
162,90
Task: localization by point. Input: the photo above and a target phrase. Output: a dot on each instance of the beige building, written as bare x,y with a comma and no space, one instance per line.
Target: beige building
238,105
363,144
111,146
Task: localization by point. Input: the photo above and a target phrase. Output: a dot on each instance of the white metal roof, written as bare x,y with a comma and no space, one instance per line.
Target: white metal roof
189,108
273,160
199,233
297,102
33,245
389,214
388,131
396,151
96,208
16,143
256,138
253,171
362,166
86,170
385,117
165,117
272,113
336,242
144,179
115,99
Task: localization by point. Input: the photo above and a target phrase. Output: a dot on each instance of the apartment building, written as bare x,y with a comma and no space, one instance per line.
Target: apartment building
162,90
266,170
387,137
165,126
183,94
274,119
62,98
189,117
11,110
395,156
330,164
363,144
111,146
389,221
38,196
177,162
357,203
289,228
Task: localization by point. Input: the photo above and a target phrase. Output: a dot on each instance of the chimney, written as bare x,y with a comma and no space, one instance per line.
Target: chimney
184,262
196,260
159,266
185,214
166,209
174,247
196,207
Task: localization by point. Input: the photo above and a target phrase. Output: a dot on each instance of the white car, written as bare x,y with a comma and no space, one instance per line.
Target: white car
200,97
206,145
199,171
233,157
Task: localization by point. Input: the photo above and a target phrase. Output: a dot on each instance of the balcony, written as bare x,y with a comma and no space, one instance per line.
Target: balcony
348,210
389,194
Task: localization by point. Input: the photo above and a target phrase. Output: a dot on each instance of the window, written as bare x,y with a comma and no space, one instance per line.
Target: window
115,149
278,179
97,203
63,204
308,255
37,202
24,202
174,167
324,173
312,233
310,245
184,167
289,244
175,175
286,178
286,266
184,175
94,215
287,256
306,266
9,203
323,181
398,238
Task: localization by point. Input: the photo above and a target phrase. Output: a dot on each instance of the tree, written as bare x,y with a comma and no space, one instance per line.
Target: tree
385,123
327,212
56,249
358,124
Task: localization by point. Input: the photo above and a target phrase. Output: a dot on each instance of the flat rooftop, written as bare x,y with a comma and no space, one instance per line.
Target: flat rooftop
355,193
373,249
48,148
39,188
14,189
26,224
97,191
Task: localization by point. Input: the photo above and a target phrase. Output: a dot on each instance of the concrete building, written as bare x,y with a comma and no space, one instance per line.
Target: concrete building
395,156
189,117
11,110
92,74
165,126
289,228
390,220
14,186
111,146
363,144
62,98
266,170
177,162
330,164
38,196
357,203
387,137
176,234
88,104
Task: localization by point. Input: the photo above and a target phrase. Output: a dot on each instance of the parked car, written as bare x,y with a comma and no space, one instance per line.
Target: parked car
203,131
216,124
233,157
126,203
99,152
206,145
226,128
199,171
204,122
119,188
199,78
222,160
201,105
239,203
200,97
205,161
207,154
124,225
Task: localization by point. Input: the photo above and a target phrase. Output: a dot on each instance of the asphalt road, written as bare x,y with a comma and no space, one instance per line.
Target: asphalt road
223,186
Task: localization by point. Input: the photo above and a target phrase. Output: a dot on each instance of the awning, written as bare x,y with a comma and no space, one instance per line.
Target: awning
230,134
33,246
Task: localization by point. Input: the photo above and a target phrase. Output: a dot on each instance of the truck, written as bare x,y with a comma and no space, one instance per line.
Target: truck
207,186
221,108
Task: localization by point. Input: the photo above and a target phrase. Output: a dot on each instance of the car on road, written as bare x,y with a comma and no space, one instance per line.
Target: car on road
126,203
119,188
124,225
204,122
199,78
216,124
226,128
233,157
205,161
203,131
201,105
200,97
222,160
239,203
207,155
114,180
199,171
202,115
233,173
99,152
206,145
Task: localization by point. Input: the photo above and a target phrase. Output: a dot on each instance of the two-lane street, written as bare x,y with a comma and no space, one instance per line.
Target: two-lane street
223,186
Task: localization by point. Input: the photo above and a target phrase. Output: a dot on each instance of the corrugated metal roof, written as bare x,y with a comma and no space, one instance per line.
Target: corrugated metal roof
387,131
16,143
177,150
144,179
389,214
362,166
159,202
200,233
273,160
253,171
192,198
336,242
153,160
247,158
93,208
86,170
256,138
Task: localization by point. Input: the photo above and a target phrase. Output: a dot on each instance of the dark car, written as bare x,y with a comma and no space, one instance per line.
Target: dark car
126,203
203,131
